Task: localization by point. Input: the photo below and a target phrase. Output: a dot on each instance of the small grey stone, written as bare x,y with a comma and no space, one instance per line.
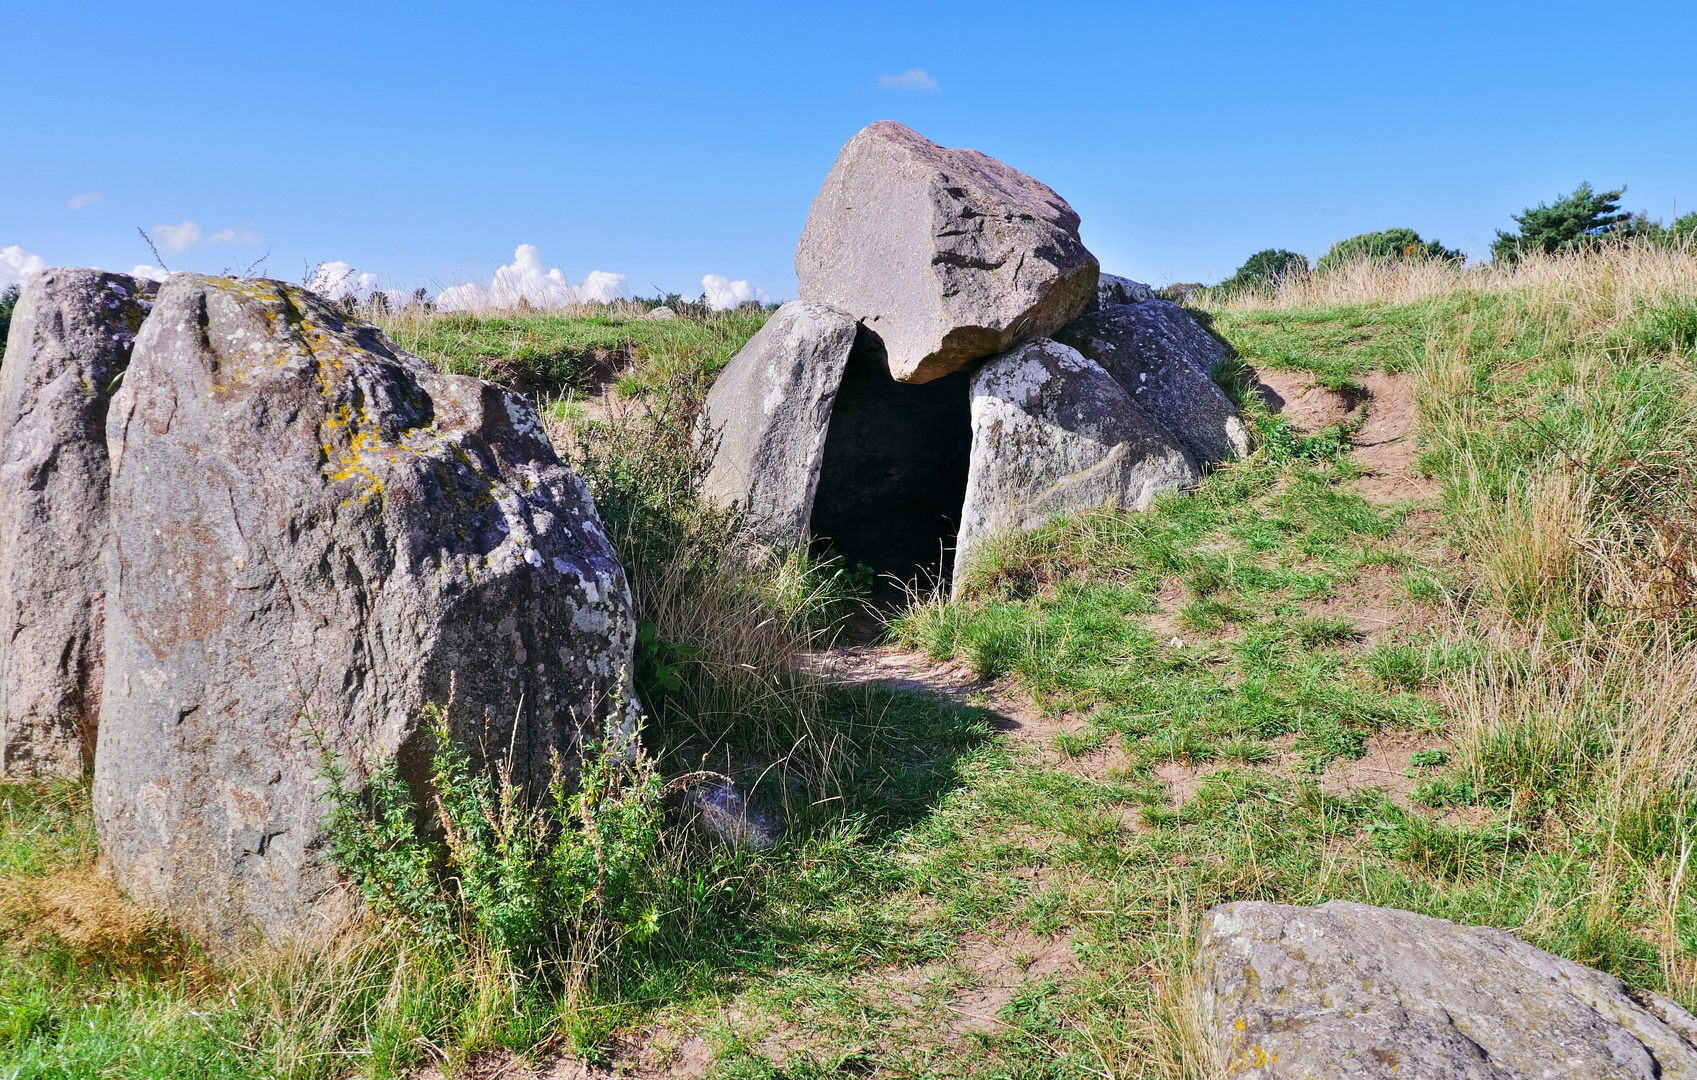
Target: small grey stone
1164,359
1053,432
313,531
710,803
768,414
72,333
948,255
659,314
1350,990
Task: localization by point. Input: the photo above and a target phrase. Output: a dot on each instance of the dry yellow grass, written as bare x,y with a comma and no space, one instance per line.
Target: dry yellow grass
1606,284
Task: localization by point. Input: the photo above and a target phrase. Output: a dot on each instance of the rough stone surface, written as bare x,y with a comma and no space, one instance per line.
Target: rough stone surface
1163,358
1349,990
312,531
1053,432
1112,289
768,413
949,255
72,333
894,469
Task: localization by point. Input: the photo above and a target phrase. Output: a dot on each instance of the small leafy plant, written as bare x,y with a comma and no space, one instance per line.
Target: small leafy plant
543,885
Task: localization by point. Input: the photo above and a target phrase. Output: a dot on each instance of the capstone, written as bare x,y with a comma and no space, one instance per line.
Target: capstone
948,255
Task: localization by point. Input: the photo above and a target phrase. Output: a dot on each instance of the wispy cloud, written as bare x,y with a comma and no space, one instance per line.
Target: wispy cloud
723,294
231,236
18,266
87,198
178,237
911,79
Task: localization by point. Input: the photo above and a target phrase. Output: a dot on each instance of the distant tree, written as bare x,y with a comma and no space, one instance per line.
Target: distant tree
1392,245
1683,231
8,301
1575,220
1265,269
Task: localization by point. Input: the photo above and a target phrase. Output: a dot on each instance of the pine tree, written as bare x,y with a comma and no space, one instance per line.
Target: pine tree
1573,221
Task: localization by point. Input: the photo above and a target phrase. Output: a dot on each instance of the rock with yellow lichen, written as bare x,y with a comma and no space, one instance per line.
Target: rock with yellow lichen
313,532
1350,990
70,342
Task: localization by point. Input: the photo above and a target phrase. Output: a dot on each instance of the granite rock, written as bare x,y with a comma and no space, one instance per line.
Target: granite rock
70,342
313,535
948,255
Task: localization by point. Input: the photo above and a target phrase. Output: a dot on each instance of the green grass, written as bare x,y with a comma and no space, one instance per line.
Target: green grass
550,355
1335,344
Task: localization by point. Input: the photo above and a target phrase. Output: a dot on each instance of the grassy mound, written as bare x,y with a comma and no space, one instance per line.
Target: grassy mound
1292,683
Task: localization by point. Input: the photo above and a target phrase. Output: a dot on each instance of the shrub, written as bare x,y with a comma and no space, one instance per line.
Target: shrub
543,886
1391,245
1576,220
1264,270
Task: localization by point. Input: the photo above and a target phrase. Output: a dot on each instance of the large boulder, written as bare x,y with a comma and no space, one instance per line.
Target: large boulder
1349,990
1164,359
948,255
1053,432
71,337
313,534
768,413
1112,289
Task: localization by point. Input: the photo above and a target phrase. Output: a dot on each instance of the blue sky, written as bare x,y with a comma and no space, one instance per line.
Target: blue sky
423,142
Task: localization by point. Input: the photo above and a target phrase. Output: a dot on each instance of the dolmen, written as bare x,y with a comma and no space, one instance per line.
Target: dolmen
957,367
250,532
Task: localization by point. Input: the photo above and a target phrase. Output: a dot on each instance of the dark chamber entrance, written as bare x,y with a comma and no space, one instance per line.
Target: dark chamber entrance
893,478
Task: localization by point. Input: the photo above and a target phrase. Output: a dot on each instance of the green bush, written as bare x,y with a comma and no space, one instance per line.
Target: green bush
1391,245
1264,270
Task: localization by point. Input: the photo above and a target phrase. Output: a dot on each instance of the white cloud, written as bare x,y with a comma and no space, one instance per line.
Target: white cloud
525,280
722,293
337,280
231,236
149,273
333,279
911,79
18,266
178,237
87,198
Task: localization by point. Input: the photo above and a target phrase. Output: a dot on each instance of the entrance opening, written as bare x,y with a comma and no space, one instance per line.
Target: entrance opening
893,478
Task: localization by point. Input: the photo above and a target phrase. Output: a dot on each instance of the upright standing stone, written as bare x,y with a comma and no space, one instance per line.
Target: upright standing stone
312,533
1164,359
72,332
948,255
1349,990
768,413
1052,432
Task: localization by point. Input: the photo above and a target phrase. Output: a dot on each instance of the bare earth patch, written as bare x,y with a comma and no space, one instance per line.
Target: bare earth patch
1386,445
1308,408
